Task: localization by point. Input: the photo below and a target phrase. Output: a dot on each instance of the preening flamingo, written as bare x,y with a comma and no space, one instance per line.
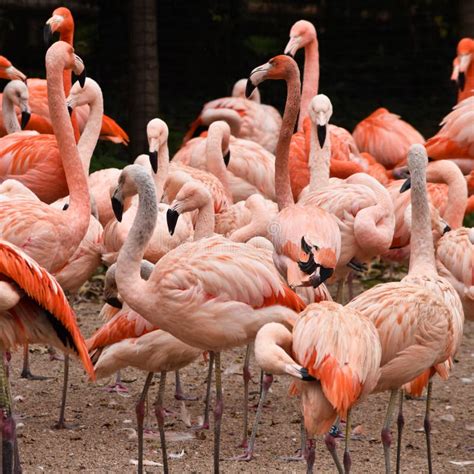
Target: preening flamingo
296,223
33,309
361,204
420,319
15,94
465,68
8,71
198,301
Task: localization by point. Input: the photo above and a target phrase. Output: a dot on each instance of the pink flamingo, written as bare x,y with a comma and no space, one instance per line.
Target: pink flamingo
416,342
200,302
334,356
463,70
33,309
298,231
361,204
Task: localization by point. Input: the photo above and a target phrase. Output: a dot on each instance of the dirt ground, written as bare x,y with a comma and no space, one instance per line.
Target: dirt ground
105,437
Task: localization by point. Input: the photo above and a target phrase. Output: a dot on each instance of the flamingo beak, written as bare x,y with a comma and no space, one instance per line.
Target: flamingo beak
258,75
406,185
322,131
47,34
461,81
172,217
82,77
153,156
446,229
401,173
305,375
319,277
117,204
15,74
249,88
293,46
25,118
70,110
227,158
114,301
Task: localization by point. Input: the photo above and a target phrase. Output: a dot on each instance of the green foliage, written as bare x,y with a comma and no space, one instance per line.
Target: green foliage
107,155
469,220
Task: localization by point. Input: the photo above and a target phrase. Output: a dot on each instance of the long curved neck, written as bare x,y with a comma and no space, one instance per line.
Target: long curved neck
129,281
282,175
78,212
215,160
10,119
310,78
163,167
90,135
422,258
228,115
319,160
205,222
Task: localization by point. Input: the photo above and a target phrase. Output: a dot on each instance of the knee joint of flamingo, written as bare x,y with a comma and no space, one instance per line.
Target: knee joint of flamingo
309,453
330,442
347,461
218,409
387,437
267,381
140,409
160,414
246,374
400,421
427,425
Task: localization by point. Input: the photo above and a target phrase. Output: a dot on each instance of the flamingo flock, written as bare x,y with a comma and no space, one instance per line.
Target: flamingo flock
236,242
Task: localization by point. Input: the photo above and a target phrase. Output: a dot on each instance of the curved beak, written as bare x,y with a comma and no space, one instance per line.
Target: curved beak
305,375
47,33
15,74
227,158
172,217
320,275
117,204
257,76
79,70
322,131
464,62
401,173
114,301
153,156
292,46
406,185
69,109
446,229
25,118
461,82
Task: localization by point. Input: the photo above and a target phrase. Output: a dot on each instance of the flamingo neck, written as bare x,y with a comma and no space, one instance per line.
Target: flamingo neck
205,222
161,175
319,160
215,160
10,119
90,135
282,175
422,260
130,283
310,79
78,212
228,115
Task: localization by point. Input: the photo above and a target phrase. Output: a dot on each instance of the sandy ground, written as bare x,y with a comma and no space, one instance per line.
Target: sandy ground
105,438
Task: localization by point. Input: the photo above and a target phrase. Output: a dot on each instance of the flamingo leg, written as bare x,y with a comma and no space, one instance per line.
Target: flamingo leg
160,417
347,455
219,407
9,457
140,411
248,454
117,387
427,426
386,432
26,372
302,448
400,424
246,376
310,455
179,394
61,425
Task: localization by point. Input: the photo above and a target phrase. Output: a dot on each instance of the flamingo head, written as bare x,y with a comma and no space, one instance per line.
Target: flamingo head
157,133
220,130
279,67
17,92
320,111
301,34
8,71
88,94
417,160
318,272
61,21
193,195
465,50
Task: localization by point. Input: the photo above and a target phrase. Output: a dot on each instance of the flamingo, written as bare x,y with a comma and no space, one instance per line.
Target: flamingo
386,137
463,70
63,22
334,357
455,140
15,94
198,302
416,342
361,204
296,225
8,71
34,309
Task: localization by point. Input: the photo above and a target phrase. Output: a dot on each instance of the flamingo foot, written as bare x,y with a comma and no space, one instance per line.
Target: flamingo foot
26,374
116,388
62,425
53,355
202,426
183,396
296,458
246,456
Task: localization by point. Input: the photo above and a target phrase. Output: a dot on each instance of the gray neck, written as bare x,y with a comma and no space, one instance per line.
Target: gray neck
10,120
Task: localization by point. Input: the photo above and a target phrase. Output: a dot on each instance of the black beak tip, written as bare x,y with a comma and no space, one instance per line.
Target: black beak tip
290,55
305,375
322,130
25,118
405,186
461,81
325,273
446,229
47,35
153,156
82,78
249,88
114,301
117,207
66,206
227,159
69,109
172,217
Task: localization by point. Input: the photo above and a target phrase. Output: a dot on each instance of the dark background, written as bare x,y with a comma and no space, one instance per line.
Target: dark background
167,57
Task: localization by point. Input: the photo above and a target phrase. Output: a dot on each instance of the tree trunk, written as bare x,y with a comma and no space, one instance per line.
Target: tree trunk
466,18
143,72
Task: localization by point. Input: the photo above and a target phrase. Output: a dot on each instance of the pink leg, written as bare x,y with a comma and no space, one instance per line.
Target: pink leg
207,403
160,417
218,410
117,387
330,441
310,455
246,376
140,411
179,394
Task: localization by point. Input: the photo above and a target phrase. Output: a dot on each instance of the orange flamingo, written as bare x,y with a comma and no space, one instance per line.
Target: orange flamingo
8,71
296,223
463,68
416,341
200,301
33,309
